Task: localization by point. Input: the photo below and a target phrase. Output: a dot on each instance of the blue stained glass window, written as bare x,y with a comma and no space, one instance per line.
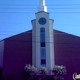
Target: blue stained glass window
43,61
42,38
43,48
42,34
43,53
42,44
42,21
42,30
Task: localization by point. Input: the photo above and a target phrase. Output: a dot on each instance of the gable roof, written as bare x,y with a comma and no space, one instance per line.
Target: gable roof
60,34
66,49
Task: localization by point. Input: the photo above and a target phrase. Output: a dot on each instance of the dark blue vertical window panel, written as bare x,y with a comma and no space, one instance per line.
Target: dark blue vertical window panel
42,35
42,44
43,49
43,53
43,61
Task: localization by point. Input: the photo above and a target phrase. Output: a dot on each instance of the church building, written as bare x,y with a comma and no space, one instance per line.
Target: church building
41,46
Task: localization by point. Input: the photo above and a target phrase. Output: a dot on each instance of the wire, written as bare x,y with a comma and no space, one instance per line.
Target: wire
30,32
36,8
34,12
37,5
45,42
17,33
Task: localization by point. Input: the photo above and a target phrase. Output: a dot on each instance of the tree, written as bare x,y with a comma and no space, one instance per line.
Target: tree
29,71
43,70
58,71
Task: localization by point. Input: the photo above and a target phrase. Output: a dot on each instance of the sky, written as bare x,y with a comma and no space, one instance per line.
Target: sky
16,16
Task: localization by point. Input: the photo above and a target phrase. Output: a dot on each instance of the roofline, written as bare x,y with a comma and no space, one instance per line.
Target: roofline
52,19
16,34
67,33
42,11
31,30
1,40
33,20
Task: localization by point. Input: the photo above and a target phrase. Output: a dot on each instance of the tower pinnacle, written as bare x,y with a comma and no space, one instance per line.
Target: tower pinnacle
42,6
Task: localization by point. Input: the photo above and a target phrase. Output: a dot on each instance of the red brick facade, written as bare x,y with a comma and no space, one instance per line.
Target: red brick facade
18,53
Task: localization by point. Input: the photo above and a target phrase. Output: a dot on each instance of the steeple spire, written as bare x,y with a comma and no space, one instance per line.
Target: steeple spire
42,6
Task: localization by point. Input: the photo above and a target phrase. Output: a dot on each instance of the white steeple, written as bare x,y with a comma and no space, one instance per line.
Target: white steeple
42,6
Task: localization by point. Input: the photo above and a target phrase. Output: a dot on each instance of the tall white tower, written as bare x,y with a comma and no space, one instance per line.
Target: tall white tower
42,38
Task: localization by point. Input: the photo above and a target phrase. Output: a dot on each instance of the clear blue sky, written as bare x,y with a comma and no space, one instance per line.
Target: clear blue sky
16,16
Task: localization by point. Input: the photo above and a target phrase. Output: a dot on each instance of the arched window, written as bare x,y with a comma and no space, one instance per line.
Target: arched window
43,48
42,29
